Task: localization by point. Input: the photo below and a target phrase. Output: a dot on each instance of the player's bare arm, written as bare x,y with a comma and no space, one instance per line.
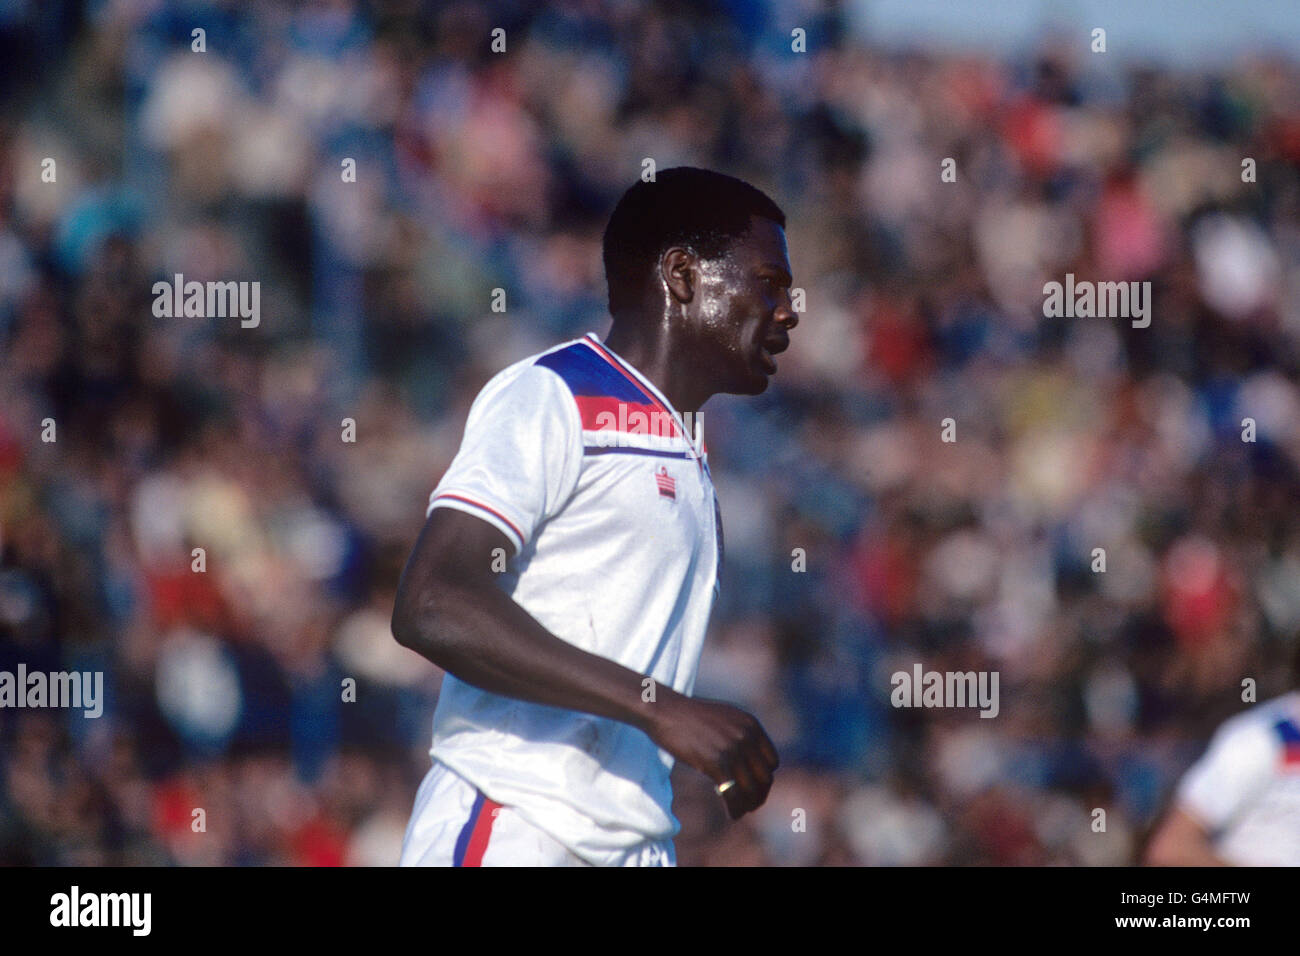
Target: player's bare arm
451,610
1181,840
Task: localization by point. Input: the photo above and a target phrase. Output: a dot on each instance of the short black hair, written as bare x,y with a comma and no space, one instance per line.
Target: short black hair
703,210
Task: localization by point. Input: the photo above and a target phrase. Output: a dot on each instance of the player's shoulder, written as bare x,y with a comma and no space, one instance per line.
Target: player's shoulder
1281,717
1277,718
574,374
590,372
536,376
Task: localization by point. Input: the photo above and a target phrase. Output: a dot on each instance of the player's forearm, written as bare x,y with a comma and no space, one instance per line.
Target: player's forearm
477,633
1182,841
1184,855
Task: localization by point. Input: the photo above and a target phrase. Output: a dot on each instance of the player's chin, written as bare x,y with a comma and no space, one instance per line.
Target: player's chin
755,377
749,378
752,383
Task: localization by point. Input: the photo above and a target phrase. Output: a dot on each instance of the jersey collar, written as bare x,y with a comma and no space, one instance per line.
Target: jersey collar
696,440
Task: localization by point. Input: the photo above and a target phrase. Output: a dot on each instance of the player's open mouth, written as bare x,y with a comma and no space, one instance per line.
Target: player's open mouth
765,357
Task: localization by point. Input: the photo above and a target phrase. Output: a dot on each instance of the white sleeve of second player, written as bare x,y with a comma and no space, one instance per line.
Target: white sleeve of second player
1234,769
521,455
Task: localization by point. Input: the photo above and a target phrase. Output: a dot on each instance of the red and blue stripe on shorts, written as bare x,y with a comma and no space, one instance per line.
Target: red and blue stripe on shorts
473,839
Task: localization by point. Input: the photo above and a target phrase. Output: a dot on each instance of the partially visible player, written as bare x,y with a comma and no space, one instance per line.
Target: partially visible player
1239,805
569,562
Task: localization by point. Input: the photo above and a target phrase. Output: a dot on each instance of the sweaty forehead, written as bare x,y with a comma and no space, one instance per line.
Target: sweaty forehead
764,243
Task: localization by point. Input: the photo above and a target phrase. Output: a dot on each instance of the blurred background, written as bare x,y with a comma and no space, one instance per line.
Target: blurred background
478,170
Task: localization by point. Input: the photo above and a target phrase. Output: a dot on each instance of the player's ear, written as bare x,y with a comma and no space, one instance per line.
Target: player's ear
677,269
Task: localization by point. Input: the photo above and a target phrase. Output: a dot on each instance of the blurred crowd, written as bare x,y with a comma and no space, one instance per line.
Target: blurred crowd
227,688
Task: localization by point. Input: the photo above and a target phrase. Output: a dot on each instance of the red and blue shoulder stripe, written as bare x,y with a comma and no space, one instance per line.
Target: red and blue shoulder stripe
601,386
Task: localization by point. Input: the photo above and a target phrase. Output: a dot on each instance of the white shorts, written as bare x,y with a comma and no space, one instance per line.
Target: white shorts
455,824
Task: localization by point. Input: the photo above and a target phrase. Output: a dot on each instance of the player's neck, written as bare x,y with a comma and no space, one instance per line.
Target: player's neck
652,353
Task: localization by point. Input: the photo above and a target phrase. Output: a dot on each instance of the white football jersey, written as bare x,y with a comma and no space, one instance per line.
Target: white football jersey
604,492
1246,788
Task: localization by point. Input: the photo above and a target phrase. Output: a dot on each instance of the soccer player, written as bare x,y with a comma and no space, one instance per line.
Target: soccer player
1239,805
570,555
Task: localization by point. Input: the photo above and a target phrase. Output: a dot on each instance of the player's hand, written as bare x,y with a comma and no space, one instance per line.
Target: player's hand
722,742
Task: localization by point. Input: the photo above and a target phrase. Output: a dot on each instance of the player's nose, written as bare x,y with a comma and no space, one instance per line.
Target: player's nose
786,316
